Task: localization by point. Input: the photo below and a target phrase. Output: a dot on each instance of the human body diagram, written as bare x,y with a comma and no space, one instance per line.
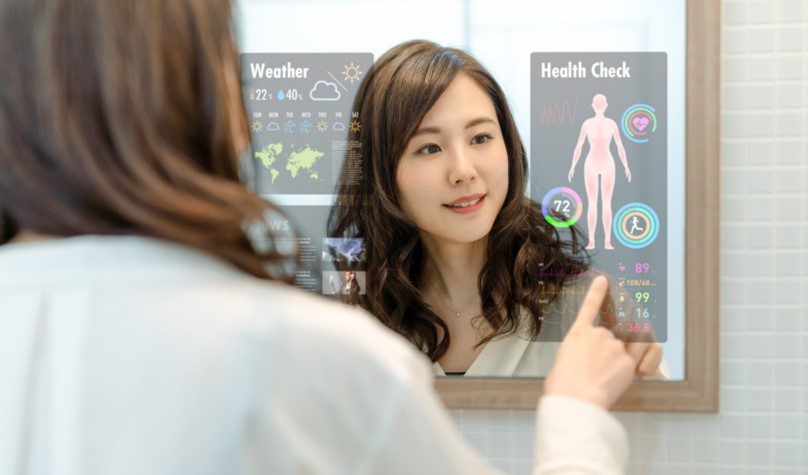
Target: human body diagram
599,163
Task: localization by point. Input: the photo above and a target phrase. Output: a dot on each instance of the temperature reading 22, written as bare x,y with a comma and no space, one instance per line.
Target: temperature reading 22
260,95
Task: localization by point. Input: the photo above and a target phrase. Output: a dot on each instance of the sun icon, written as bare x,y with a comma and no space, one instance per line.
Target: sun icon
257,126
322,126
355,126
352,72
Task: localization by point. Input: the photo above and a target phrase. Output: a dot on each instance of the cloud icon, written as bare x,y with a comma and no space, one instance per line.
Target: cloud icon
273,126
338,126
324,91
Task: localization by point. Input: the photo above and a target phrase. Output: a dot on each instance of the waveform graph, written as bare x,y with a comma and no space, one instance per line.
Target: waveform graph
558,110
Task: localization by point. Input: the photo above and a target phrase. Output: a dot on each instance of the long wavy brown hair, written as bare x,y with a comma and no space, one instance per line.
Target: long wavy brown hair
126,117
527,259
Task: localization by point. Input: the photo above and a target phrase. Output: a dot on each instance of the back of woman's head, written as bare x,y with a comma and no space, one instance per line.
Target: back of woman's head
125,117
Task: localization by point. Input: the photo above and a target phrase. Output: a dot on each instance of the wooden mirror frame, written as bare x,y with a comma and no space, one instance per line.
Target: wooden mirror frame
698,392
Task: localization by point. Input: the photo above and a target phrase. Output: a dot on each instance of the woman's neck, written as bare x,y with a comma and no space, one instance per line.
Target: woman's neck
452,269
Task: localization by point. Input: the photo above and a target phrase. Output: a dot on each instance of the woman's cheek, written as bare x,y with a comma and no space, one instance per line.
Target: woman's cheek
498,173
416,185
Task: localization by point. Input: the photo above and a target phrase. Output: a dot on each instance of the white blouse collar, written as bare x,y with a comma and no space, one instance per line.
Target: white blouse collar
499,357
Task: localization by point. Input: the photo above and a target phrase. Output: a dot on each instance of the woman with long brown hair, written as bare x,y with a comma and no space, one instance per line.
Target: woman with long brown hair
458,260
145,327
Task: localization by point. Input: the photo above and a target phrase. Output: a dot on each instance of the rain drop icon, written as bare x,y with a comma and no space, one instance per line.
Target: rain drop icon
281,95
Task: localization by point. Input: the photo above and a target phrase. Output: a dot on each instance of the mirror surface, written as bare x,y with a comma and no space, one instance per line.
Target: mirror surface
596,91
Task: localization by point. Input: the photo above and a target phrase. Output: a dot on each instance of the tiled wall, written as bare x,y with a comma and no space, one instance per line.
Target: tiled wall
763,423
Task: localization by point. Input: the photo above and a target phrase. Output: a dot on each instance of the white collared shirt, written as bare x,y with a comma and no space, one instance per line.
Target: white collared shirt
128,355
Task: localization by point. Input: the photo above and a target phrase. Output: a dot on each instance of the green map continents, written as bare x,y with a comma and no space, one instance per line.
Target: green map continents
298,163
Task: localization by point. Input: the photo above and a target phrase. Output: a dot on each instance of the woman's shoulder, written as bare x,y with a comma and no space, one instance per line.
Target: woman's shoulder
283,332
309,321
139,285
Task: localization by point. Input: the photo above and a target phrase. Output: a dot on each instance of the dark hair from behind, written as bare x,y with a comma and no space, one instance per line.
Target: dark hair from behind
126,117
524,252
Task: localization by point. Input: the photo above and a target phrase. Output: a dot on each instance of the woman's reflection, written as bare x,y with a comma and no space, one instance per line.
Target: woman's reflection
458,260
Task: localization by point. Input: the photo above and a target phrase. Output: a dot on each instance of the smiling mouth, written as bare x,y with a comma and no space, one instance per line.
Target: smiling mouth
467,204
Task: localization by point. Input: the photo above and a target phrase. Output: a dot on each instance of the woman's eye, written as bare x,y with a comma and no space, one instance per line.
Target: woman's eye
428,149
482,138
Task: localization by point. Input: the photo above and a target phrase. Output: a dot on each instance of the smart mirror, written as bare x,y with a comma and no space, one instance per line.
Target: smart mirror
616,104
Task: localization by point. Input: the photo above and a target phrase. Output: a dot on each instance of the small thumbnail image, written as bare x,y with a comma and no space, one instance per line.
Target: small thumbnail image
346,250
348,282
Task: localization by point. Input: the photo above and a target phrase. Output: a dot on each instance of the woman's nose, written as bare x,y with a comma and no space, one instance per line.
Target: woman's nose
462,169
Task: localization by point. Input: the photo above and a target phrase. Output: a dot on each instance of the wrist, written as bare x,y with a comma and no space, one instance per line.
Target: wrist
589,395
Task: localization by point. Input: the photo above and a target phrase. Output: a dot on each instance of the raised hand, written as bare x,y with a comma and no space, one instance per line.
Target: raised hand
591,364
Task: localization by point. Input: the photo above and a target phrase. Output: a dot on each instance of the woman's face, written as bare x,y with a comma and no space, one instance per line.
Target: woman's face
453,176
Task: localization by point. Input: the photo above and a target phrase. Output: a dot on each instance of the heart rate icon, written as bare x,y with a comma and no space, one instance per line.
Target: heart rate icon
641,123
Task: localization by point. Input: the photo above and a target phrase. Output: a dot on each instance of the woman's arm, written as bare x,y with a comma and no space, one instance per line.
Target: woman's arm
572,437
361,399
574,433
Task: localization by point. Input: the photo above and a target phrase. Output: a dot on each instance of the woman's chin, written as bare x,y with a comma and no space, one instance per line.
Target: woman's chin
465,235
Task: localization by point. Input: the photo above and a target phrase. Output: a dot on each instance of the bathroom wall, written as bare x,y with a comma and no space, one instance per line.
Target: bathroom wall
762,426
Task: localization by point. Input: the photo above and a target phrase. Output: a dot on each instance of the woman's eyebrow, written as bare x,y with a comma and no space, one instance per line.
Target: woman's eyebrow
437,130
426,130
478,121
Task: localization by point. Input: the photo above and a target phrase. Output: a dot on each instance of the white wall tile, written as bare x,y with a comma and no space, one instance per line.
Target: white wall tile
787,454
761,68
791,10
734,69
760,12
790,39
790,67
790,96
735,14
761,40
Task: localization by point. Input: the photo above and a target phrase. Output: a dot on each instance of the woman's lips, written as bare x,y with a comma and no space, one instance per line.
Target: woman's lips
467,204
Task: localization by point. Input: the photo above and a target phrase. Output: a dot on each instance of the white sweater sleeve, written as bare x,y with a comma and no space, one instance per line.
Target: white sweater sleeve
418,436
576,437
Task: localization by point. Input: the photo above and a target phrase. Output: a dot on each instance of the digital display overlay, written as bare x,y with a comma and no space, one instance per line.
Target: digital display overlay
299,107
599,162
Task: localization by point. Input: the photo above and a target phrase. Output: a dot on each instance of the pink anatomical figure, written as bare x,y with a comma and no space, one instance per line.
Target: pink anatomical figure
599,131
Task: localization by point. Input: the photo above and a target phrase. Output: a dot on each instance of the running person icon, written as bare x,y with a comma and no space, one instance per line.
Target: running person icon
635,228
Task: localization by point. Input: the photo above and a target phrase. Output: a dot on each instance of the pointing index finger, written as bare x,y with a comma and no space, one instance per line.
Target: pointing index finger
592,302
